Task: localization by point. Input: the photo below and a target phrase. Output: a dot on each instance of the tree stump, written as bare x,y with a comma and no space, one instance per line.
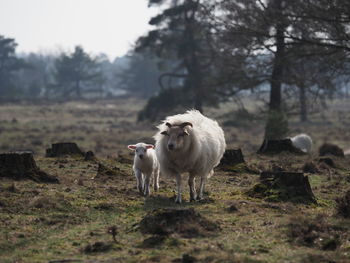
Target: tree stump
331,149
232,157
278,146
284,186
63,148
21,165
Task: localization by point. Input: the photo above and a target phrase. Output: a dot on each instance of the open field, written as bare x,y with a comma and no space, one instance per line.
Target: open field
70,221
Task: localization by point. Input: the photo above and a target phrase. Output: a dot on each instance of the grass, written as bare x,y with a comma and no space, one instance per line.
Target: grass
48,222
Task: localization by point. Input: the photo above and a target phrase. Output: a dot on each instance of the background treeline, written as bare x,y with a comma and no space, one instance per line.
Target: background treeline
288,54
74,75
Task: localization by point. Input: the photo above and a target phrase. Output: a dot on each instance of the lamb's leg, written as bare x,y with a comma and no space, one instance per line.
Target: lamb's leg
139,180
156,180
179,189
147,184
192,185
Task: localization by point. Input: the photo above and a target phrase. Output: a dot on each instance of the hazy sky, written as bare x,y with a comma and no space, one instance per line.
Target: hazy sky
108,26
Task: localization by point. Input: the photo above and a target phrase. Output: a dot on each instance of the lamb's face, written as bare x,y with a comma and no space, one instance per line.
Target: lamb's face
141,149
176,136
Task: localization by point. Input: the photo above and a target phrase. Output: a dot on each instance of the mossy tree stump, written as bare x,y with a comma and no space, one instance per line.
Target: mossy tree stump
284,186
278,146
63,148
21,165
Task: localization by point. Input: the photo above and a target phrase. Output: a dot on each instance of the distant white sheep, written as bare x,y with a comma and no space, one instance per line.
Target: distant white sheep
190,143
145,167
302,142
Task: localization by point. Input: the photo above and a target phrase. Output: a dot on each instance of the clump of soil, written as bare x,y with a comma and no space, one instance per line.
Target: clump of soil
314,232
328,161
343,205
63,148
331,149
153,241
187,223
21,165
283,186
97,247
278,146
310,167
89,156
103,170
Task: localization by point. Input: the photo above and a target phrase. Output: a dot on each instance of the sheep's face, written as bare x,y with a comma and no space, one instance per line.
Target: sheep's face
176,136
141,149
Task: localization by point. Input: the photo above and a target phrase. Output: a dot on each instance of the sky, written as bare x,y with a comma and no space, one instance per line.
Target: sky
99,26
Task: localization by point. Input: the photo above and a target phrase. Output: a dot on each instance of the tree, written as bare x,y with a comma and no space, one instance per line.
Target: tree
75,71
141,74
276,29
9,64
183,34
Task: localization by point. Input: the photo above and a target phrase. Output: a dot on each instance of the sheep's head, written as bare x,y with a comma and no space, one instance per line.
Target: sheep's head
140,149
176,135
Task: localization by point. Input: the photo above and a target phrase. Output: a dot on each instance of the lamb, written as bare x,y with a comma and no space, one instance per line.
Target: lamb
302,142
192,143
145,167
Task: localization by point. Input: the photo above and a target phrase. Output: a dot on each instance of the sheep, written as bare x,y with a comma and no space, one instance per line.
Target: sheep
192,143
145,167
302,142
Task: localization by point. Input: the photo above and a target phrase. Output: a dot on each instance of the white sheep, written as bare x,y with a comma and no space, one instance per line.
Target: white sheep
190,143
145,167
302,142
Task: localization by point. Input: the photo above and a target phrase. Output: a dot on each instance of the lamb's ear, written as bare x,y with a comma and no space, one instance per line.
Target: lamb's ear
184,124
149,146
186,133
168,124
132,147
164,133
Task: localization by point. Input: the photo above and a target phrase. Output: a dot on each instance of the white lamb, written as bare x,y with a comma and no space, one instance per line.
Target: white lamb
145,167
190,143
302,142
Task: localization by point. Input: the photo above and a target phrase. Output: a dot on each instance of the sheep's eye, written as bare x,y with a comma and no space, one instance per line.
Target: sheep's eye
164,133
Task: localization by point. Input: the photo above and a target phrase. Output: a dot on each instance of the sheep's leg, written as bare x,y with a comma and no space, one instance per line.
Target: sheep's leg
192,185
179,189
147,184
156,180
201,188
139,180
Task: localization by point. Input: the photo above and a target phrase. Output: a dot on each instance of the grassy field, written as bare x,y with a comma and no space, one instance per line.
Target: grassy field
72,221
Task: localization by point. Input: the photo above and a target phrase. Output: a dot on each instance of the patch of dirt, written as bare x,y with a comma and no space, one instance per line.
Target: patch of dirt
343,205
97,247
187,223
315,232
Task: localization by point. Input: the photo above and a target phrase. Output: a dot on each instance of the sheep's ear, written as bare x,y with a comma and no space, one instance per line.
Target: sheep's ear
186,133
132,147
168,124
149,146
164,133
184,124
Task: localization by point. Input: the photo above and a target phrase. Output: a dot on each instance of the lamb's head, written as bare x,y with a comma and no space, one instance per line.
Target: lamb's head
140,149
176,135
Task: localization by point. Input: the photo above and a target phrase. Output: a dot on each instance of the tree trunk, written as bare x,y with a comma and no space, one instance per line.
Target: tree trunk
303,103
278,67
